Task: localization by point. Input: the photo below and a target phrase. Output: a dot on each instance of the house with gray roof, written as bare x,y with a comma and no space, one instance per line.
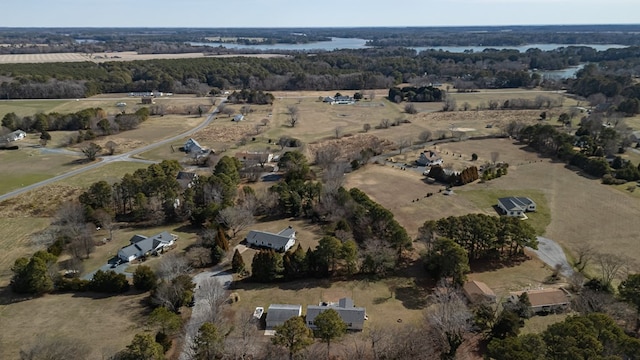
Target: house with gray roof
353,316
277,314
429,158
14,136
141,245
193,146
516,206
281,241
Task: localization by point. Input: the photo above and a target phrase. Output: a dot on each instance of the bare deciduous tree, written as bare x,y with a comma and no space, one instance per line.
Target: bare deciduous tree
111,147
404,143
294,115
385,123
265,121
172,265
425,136
584,255
366,127
449,316
245,110
213,294
283,142
338,131
56,348
610,266
236,219
327,154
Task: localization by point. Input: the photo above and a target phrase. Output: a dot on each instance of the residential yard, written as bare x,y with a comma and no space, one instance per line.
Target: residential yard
105,324
15,238
405,303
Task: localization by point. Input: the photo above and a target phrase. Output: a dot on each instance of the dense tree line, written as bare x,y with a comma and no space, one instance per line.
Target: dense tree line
482,236
414,94
594,141
345,69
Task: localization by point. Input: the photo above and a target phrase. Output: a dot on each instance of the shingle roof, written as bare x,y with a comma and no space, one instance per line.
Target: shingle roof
276,240
348,313
287,232
477,289
141,244
545,297
515,203
282,312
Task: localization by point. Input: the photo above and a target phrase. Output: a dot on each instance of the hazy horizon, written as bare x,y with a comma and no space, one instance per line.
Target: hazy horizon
329,13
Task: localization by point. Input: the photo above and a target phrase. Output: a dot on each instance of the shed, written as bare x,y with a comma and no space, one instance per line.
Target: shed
477,291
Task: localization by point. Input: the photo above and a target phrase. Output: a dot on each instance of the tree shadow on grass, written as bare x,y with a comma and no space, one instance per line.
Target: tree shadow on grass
249,284
413,296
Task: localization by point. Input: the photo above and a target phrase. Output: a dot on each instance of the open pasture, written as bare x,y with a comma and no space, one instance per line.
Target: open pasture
581,209
105,324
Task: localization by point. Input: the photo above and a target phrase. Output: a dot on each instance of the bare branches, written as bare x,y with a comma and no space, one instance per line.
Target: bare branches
294,114
236,219
172,265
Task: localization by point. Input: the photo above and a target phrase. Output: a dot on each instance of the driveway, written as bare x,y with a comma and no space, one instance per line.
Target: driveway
552,254
108,266
199,310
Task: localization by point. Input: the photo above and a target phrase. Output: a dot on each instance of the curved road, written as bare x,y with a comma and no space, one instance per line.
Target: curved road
113,158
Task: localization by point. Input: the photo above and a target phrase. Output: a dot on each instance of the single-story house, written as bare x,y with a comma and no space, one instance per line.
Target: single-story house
277,314
635,137
258,156
353,316
516,206
339,100
15,136
238,118
193,146
544,300
281,241
477,291
186,179
142,245
429,158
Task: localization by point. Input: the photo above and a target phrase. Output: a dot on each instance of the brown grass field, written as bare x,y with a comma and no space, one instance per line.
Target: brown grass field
106,324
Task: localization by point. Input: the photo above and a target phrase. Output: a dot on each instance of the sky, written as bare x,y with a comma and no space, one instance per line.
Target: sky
314,13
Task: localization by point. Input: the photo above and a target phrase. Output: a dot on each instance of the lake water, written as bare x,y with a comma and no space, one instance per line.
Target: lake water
560,74
353,43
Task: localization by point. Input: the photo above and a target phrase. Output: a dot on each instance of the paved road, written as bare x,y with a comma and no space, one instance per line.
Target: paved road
109,159
199,310
552,254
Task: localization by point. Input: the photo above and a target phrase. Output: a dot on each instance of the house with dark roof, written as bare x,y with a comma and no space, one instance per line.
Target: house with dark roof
544,300
281,241
477,292
277,314
516,206
353,316
429,158
141,245
193,146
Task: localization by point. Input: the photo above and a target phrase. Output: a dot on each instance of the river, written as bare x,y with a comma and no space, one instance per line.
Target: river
353,43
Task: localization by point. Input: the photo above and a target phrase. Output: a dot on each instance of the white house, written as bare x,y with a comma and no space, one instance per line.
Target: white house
142,245
238,118
353,316
281,241
339,100
257,156
15,136
277,314
516,206
429,158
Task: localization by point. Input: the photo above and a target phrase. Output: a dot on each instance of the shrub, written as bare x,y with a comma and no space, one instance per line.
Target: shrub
75,284
144,278
109,282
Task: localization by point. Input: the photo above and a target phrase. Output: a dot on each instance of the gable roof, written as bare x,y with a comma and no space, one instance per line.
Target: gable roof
282,312
278,240
477,290
348,313
545,297
141,244
515,203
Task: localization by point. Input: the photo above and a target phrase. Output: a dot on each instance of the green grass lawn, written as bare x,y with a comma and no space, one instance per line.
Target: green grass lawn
487,199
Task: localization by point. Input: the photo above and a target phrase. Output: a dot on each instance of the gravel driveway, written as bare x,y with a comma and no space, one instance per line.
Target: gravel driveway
199,310
552,254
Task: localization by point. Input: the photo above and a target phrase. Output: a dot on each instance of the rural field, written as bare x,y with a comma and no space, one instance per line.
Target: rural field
567,201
